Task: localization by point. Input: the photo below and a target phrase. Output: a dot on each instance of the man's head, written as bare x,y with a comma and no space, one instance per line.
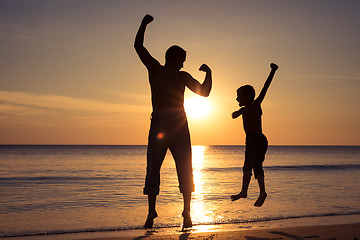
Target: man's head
245,95
175,56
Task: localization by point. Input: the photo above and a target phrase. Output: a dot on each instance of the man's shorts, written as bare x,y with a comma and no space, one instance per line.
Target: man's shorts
169,132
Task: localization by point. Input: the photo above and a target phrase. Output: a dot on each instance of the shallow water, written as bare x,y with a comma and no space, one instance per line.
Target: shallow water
60,189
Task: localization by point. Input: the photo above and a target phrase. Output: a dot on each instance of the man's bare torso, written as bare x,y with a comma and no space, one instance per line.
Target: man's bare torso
167,90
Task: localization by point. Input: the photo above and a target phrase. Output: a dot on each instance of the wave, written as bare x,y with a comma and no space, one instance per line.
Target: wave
161,226
51,179
317,167
295,168
64,179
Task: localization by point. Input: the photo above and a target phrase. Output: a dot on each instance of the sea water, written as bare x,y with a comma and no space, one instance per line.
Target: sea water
49,189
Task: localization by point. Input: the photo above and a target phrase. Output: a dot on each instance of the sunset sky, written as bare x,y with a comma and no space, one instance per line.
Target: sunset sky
69,73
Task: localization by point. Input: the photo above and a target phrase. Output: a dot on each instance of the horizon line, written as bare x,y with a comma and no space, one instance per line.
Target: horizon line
282,145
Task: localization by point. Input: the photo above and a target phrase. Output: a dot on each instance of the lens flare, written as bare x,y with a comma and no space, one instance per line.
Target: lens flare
160,136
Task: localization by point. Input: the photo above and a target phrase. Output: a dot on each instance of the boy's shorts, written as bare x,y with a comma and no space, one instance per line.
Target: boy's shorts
255,149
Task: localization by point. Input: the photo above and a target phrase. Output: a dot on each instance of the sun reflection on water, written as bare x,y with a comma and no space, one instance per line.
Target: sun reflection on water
199,212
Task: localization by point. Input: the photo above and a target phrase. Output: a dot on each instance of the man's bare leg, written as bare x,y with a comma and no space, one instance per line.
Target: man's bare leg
187,223
262,196
245,186
152,212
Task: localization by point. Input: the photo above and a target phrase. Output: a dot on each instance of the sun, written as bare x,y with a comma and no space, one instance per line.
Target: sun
197,107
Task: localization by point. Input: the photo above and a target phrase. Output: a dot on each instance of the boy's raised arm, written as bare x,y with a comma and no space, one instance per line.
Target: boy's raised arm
261,96
143,53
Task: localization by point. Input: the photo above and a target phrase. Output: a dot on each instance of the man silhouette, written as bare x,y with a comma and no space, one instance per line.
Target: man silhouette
169,127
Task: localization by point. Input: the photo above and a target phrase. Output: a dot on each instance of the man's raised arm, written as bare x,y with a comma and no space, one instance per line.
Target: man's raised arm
207,84
201,89
143,53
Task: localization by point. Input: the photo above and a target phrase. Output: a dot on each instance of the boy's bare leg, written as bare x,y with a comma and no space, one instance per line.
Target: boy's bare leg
245,186
187,223
262,196
152,212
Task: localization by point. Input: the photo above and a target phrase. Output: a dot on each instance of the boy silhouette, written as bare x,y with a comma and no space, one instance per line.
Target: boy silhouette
169,126
256,141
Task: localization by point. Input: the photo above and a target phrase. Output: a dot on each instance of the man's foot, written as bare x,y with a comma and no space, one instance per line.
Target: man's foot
237,196
150,220
187,223
261,199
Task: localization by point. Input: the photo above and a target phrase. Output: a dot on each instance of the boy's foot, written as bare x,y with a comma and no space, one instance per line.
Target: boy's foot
261,199
150,220
187,223
237,196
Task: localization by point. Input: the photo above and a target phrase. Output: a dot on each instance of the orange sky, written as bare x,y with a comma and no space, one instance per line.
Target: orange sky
69,73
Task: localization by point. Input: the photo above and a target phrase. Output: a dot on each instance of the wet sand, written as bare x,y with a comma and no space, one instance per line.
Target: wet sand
346,227
329,232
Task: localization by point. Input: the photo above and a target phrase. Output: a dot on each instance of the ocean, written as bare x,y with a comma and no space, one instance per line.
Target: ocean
59,189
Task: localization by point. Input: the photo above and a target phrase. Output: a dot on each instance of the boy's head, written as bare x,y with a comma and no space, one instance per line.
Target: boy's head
175,56
245,95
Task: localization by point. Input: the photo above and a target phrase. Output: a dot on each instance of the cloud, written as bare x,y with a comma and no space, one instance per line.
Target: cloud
19,34
22,103
333,77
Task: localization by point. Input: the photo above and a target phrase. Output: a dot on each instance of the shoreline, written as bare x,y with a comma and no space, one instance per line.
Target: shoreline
328,227
323,232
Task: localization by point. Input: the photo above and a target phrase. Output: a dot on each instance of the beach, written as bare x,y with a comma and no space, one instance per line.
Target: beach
326,228
329,232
